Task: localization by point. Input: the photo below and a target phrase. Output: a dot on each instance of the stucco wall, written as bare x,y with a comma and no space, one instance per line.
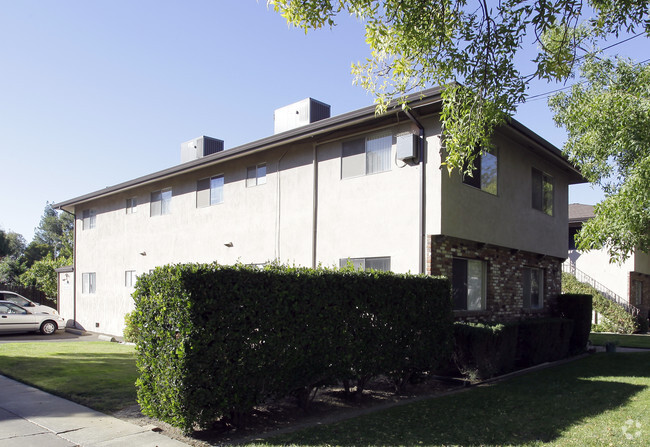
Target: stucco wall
508,218
595,263
65,298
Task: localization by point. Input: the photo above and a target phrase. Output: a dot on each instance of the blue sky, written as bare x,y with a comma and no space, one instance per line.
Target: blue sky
96,93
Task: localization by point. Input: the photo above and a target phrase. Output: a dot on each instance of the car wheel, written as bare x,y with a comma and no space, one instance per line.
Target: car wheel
48,327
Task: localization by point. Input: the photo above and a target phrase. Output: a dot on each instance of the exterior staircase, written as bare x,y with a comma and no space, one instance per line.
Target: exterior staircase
603,290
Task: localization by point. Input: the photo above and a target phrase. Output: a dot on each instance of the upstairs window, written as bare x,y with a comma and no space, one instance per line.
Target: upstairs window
484,173
209,191
533,288
256,175
542,192
129,278
367,155
161,202
131,205
468,284
379,263
89,219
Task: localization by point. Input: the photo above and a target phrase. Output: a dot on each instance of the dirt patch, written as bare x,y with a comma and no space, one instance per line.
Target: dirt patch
329,405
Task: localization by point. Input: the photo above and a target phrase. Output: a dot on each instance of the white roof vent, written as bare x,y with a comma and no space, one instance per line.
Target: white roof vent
299,114
200,147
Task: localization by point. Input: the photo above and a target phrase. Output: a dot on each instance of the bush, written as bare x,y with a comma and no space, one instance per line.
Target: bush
482,351
577,308
614,318
130,328
215,341
543,340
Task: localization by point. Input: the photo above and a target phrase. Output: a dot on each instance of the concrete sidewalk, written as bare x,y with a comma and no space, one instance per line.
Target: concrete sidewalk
31,417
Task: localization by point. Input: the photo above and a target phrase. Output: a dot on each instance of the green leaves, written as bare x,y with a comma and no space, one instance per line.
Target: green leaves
607,118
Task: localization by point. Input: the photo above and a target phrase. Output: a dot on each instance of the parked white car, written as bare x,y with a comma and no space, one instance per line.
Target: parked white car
14,318
26,303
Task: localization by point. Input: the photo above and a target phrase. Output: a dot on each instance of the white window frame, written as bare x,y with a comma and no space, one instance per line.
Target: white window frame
88,283
533,286
131,205
129,278
89,219
256,175
161,202
475,295
367,263
210,191
359,156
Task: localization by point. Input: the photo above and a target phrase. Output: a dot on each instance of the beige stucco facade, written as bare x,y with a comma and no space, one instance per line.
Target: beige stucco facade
305,213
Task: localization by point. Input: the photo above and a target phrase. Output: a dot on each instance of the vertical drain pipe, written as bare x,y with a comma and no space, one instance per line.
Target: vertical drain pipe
423,191
314,215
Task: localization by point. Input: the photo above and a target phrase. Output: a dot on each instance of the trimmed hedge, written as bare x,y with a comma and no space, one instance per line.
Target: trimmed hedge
214,341
482,351
543,340
577,307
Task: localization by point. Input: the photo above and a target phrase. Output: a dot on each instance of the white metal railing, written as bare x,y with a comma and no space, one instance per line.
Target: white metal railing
602,289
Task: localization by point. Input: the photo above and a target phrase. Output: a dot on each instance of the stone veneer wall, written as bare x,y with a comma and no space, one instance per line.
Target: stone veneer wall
644,305
504,277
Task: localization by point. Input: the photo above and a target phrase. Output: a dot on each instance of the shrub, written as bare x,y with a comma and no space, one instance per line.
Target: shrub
614,318
482,351
577,308
543,340
214,341
130,328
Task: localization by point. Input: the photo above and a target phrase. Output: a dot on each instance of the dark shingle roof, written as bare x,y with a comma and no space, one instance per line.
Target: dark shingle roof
580,213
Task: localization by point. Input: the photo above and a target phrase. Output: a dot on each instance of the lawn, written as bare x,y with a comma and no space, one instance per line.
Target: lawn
601,400
627,341
99,375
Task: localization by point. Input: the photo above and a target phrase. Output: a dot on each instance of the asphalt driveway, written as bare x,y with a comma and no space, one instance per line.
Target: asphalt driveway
60,335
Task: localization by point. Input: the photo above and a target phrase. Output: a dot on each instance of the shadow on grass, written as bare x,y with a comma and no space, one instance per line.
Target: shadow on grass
536,407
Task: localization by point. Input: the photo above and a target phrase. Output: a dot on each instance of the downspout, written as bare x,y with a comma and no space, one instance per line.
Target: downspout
423,191
314,215
278,222
74,268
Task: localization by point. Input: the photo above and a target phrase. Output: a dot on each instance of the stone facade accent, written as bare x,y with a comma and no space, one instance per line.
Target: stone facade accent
504,301
644,305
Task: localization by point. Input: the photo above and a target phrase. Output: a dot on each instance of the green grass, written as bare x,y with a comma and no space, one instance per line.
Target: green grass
588,402
99,375
627,341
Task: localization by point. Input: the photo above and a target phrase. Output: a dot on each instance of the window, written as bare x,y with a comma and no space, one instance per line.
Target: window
88,282
637,292
533,288
161,202
131,205
129,278
256,175
367,155
484,173
209,191
88,219
468,284
542,192
381,263
573,232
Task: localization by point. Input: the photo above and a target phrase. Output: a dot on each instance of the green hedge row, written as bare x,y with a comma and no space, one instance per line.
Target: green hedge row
214,341
484,350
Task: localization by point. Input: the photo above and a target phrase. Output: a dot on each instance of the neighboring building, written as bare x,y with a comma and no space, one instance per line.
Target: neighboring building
627,283
358,186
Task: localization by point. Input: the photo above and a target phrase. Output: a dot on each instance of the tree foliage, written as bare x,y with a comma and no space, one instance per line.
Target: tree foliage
607,118
56,230
421,43
11,244
42,275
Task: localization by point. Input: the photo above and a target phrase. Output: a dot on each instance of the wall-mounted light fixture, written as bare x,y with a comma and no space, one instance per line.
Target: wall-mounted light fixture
143,253
228,244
